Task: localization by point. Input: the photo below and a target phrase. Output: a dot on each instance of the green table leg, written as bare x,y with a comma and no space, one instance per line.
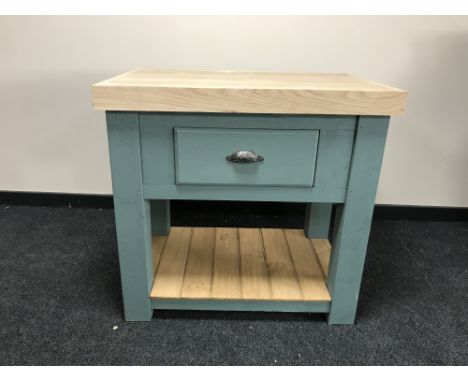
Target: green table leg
350,242
160,217
132,215
317,220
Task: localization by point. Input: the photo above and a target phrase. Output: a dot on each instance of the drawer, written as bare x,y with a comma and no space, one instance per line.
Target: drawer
288,156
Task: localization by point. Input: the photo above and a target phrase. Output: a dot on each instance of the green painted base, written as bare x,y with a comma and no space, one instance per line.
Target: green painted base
347,158
242,305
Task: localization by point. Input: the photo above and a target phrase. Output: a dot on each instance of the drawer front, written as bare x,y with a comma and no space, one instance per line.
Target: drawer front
288,157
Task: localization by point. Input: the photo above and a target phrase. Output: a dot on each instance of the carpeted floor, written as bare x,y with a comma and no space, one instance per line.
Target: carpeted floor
60,299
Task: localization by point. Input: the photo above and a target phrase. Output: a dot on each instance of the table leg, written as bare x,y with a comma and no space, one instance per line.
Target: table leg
317,220
132,215
352,234
160,217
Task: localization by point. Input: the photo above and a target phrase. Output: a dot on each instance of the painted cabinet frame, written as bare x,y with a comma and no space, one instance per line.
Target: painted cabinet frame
349,160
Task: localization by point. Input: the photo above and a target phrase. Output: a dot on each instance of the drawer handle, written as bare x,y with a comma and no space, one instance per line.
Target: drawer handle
244,156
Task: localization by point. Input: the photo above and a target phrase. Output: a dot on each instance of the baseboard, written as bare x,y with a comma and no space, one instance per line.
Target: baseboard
390,212
229,210
51,199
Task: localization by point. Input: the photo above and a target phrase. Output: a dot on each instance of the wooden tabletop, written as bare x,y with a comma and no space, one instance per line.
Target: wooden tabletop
246,92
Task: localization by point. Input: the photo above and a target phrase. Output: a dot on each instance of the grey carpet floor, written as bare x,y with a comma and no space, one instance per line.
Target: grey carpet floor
60,298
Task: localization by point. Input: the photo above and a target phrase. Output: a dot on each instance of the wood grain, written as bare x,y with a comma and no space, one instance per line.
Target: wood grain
157,245
254,271
245,264
284,284
322,250
246,92
199,269
306,266
170,273
226,269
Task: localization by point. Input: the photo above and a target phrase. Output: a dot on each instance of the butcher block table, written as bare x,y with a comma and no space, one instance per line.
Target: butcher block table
223,135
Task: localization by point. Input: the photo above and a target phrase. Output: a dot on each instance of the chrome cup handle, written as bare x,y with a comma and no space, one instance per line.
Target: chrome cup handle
244,156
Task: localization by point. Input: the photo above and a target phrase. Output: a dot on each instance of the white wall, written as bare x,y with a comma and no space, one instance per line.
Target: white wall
51,140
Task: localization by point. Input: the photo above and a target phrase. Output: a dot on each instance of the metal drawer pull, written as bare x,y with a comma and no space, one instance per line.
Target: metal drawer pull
244,156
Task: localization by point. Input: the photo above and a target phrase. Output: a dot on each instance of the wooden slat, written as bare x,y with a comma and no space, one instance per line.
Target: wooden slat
169,275
244,92
199,269
306,266
254,271
157,248
238,264
226,269
322,250
284,285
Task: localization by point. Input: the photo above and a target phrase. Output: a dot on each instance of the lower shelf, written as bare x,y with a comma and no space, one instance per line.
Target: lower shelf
242,305
247,268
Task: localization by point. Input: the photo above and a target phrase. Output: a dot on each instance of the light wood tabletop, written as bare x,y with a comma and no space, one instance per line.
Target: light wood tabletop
246,92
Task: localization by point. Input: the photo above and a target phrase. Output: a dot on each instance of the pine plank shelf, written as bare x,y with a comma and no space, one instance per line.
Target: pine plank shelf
239,264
